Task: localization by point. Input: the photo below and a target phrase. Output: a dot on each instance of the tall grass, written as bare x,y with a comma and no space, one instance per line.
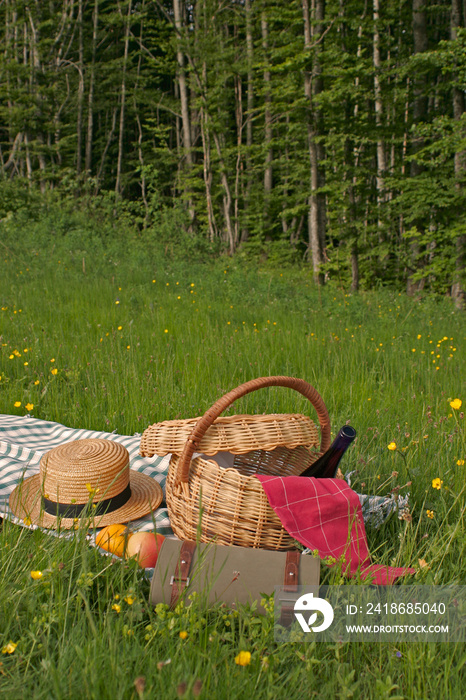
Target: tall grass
111,341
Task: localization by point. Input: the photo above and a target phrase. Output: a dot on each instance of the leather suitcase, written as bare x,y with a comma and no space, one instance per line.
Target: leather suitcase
228,574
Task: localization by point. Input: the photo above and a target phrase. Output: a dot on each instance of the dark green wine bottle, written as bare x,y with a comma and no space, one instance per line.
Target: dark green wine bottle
326,466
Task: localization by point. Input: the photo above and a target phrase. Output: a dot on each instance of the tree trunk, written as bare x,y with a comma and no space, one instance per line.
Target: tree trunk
90,101
207,168
80,98
227,199
458,19
354,268
35,70
239,158
313,86
419,112
249,107
107,146
121,129
184,98
381,160
15,136
355,199
29,169
140,129
268,171
178,12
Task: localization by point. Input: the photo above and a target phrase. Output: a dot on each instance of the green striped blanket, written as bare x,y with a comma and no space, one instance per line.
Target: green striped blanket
23,441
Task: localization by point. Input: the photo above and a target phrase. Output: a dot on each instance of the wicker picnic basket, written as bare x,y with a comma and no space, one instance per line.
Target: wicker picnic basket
228,504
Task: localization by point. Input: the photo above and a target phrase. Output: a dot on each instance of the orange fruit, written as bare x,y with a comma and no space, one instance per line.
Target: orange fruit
113,538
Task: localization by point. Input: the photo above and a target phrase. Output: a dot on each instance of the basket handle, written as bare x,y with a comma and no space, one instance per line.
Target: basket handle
182,472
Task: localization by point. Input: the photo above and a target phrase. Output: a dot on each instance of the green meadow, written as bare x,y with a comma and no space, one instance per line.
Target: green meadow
115,338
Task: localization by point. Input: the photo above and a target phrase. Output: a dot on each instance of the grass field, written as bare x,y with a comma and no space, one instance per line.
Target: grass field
98,341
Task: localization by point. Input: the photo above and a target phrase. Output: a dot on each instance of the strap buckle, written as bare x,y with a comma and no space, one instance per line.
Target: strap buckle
180,579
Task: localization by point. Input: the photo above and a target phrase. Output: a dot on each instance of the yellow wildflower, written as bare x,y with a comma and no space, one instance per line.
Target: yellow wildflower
437,483
17,404
54,370
116,607
92,492
243,658
430,513
456,403
29,406
183,634
460,462
129,599
391,446
9,648
36,575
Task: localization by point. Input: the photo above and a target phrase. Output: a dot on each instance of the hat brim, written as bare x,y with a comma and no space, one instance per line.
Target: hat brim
25,503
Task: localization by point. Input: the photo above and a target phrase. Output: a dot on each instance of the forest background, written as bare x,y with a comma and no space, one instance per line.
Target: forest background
327,133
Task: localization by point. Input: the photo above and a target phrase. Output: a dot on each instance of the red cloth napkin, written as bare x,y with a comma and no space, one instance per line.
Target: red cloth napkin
325,514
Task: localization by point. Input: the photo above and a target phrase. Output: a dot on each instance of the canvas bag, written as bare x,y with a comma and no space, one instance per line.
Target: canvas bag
228,574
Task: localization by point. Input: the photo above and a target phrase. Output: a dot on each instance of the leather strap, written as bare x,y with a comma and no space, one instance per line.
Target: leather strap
292,571
290,584
180,579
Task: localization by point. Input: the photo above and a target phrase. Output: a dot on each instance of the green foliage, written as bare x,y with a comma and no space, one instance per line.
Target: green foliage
90,105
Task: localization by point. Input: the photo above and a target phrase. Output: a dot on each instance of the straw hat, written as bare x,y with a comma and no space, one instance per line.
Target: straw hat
85,479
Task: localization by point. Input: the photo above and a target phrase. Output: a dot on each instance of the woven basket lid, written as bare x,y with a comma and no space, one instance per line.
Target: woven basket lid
85,479
237,434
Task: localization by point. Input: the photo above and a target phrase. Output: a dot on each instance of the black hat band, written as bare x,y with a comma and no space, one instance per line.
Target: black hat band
74,510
